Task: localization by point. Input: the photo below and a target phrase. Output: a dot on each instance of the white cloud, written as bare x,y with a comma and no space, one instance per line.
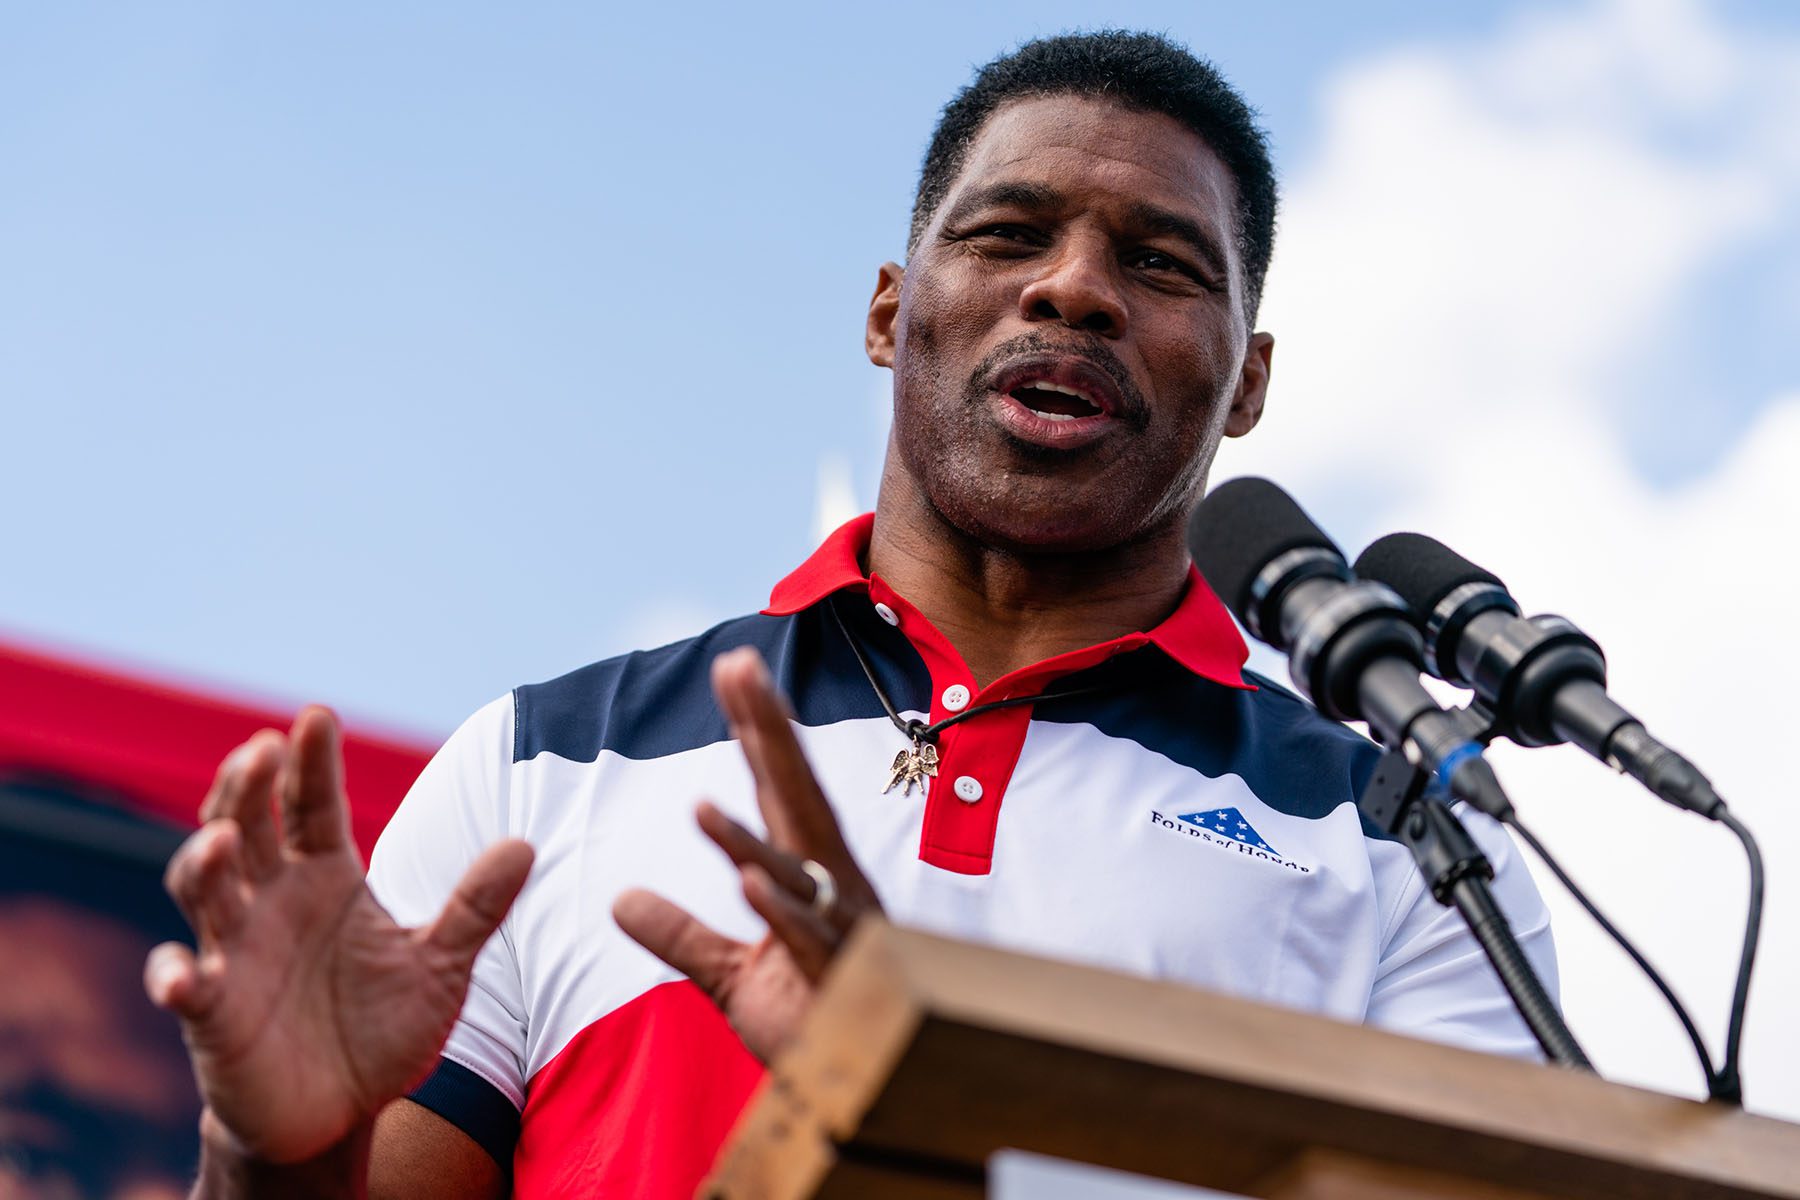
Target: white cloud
1488,236
834,500
661,621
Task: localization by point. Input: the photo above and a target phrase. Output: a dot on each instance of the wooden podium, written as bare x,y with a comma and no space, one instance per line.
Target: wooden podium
923,1056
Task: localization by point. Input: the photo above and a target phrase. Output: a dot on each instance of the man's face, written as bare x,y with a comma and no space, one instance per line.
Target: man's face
96,1097
1067,341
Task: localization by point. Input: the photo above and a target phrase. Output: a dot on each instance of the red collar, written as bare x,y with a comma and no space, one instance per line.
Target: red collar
1199,634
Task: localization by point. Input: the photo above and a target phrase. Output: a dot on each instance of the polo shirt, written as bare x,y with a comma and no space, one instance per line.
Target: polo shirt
1179,819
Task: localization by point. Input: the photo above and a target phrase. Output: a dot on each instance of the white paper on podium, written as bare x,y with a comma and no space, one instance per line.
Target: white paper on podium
1016,1175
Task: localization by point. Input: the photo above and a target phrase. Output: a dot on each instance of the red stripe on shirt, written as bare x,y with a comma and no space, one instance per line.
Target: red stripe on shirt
638,1103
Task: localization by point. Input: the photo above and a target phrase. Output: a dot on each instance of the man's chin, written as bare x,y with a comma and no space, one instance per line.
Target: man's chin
1065,526
1034,501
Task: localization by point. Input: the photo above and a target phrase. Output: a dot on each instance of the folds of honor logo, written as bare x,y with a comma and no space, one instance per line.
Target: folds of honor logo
1226,829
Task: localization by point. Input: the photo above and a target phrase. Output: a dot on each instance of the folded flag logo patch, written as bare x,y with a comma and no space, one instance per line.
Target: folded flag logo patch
1230,823
1226,828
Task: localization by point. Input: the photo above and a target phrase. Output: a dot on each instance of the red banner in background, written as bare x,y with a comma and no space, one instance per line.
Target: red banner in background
100,774
156,746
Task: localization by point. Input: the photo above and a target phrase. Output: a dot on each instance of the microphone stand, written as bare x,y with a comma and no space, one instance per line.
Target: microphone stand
1398,800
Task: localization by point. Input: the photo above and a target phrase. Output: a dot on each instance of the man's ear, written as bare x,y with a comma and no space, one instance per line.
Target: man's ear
884,314
1253,386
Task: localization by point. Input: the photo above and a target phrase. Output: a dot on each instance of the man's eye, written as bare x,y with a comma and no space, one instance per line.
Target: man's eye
1157,261
1167,267
1007,233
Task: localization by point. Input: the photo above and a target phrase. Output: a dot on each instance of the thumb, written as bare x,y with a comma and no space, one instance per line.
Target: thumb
481,900
172,980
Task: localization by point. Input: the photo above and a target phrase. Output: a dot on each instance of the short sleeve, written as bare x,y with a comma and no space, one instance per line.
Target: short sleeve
456,809
1433,980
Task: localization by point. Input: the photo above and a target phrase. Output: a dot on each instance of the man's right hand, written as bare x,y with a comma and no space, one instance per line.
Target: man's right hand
307,1008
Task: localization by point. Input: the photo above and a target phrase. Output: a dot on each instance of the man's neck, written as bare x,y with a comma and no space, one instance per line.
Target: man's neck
1003,610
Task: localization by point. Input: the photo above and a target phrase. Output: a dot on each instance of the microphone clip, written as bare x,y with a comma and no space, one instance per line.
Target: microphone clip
1401,801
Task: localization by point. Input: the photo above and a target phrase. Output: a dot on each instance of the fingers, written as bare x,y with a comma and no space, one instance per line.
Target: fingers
206,879
744,848
793,806
315,816
808,937
243,791
783,870
481,900
673,935
173,981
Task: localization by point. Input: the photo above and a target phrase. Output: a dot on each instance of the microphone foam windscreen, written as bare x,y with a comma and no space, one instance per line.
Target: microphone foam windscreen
1239,528
1422,570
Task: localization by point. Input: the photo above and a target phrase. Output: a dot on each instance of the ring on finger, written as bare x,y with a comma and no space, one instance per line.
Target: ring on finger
825,889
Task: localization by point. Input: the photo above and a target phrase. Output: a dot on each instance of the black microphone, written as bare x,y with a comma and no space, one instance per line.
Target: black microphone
1544,679
1351,645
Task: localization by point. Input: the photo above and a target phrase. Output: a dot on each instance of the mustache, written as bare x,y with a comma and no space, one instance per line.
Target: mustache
1134,410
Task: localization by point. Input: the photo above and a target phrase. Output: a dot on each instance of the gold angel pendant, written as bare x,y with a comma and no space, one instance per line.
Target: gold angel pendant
912,766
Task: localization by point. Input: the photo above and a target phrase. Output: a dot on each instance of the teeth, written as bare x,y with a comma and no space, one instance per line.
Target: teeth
1046,386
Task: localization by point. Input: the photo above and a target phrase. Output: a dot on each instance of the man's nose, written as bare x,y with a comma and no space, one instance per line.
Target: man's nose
1079,287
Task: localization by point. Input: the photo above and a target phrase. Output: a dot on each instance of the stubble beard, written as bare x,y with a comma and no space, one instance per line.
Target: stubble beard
945,450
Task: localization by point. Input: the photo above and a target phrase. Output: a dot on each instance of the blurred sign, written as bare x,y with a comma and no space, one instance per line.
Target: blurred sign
100,777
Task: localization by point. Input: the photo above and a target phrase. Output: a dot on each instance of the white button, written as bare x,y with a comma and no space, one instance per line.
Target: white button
887,614
956,698
968,788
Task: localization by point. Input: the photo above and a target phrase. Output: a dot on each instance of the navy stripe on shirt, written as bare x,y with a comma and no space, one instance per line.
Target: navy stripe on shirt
655,703
1291,757
659,702
473,1105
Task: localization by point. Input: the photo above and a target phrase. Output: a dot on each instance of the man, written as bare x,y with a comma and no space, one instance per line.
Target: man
96,1099
1016,629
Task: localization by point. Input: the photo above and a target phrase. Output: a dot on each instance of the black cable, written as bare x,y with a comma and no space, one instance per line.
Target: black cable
1731,1084
862,660
1612,931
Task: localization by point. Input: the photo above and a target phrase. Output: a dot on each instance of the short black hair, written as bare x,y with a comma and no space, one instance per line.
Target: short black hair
1139,70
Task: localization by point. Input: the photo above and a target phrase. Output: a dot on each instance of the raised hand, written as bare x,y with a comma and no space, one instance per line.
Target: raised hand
764,988
307,1008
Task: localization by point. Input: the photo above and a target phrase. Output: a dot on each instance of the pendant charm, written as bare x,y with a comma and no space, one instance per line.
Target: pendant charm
913,766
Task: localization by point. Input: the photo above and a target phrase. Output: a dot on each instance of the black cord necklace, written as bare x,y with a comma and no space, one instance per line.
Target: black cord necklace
921,761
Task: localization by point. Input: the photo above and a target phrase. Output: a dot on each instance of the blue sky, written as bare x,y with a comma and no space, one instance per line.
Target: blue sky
394,356
397,354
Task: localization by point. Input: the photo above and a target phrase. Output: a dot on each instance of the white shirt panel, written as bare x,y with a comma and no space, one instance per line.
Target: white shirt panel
1083,870
456,809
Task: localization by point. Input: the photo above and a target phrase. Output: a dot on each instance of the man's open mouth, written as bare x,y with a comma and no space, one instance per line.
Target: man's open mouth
1055,402
1058,401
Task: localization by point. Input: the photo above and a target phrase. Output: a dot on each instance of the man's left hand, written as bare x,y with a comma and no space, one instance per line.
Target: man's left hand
765,988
